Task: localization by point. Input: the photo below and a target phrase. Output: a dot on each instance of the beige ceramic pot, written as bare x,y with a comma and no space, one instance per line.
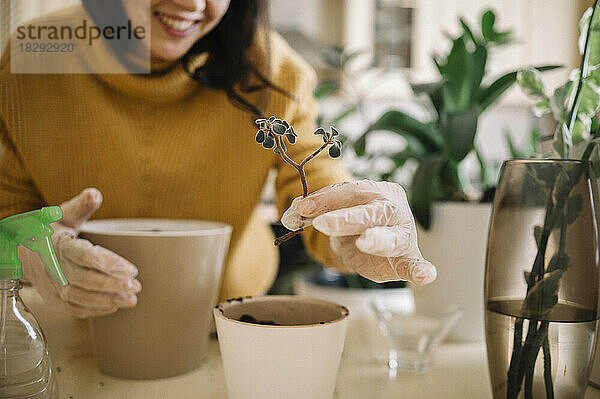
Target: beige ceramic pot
180,266
297,358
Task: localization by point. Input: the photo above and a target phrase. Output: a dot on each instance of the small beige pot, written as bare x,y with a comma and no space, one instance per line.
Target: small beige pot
180,265
298,359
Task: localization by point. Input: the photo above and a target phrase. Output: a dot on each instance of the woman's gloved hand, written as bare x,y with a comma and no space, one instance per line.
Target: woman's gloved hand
371,229
100,281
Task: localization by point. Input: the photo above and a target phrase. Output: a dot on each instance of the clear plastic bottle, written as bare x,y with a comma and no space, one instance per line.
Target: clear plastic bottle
25,365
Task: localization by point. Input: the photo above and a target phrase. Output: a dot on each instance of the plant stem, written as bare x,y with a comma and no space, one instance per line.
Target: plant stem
583,68
527,389
515,371
548,369
280,240
300,168
314,154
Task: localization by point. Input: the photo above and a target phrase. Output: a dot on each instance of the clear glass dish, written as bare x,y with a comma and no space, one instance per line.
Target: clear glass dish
412,335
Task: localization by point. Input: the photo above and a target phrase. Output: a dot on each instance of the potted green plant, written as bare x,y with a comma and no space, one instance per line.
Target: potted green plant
574,106
438,147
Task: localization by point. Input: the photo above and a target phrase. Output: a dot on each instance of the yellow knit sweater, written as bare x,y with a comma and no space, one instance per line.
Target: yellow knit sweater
161,145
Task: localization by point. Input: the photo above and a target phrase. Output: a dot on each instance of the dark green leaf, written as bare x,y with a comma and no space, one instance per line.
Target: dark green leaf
479,63
260,121
560,261
320,131
458,74
334,131
287,125
490,34
271,119
574,207
468,31
278,128
260,136
269,142
292,131
543,295
406,126
291,138
488,95
425,186
334,151
488,19
459,131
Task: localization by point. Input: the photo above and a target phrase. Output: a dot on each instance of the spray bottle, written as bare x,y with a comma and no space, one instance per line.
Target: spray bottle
25,366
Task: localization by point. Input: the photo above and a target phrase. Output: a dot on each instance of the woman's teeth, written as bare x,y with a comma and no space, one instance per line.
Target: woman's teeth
177,24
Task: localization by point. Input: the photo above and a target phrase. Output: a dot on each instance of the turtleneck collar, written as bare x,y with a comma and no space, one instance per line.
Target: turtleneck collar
168,81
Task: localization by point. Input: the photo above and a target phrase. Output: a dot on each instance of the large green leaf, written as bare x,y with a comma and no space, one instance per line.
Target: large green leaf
458,75
559,101
530,81
425,189
488,95
584,23
404,125
459,129
589,97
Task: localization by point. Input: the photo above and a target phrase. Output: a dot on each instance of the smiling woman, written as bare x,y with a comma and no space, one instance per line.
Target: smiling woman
225,30
177,142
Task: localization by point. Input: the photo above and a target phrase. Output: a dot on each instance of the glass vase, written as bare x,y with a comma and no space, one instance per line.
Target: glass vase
541,281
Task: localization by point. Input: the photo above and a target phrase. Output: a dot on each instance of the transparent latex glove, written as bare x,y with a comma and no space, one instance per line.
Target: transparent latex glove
371,229
100,281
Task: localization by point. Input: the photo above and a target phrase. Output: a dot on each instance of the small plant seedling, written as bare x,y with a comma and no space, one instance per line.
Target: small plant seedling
271,133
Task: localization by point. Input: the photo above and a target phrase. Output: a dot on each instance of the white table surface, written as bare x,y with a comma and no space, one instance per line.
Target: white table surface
460,370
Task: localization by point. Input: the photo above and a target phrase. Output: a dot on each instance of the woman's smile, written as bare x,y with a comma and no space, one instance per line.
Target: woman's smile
178,26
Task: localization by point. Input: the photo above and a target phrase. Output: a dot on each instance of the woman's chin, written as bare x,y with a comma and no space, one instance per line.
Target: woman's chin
166,54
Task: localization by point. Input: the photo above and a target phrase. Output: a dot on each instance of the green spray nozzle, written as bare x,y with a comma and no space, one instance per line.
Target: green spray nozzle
31,230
